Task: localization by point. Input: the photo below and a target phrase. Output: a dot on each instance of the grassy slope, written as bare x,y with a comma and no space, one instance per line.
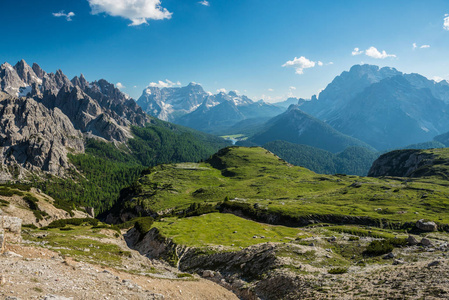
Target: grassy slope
224,229
254,175
105,169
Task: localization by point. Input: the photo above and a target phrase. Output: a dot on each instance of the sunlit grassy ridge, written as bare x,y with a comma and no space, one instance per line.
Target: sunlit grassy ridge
224,229
255,175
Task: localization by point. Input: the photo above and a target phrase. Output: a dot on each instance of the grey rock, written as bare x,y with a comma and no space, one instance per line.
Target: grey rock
398,262
426,242
427,226
55,297
389,256
411,240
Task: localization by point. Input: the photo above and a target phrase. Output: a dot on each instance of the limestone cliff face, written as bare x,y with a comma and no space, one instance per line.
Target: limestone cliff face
45,115
32,137
402,163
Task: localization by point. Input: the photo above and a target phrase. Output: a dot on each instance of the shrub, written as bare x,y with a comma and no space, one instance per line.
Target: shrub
75,221
378,248
337,271
143,225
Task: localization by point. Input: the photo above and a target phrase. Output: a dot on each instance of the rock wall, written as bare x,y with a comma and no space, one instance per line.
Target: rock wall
401,163
10,230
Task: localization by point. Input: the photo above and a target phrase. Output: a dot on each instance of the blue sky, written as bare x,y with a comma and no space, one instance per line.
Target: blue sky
264,49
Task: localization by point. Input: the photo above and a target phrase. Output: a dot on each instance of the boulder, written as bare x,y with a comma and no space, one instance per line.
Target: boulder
427,226
12,224
426,242
412,241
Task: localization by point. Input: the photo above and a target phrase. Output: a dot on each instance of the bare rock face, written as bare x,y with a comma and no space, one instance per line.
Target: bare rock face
401,163
34,137
44,115
10,230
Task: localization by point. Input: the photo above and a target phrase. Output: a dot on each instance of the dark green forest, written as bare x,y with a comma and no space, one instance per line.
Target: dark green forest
352,160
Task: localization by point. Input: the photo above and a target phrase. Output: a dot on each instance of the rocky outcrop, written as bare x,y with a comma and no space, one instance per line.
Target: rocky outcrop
44,116
10,230
401,163
34,137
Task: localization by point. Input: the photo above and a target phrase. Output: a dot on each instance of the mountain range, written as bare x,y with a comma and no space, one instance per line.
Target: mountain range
383,107
191,106
46,116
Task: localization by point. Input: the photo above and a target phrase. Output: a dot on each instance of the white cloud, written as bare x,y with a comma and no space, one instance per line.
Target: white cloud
270,90
120,86
420,47
320,63
356,51
166,84
222,90
68,16
137,11
292,88
446,22
204,2
331,63
374,53
300,64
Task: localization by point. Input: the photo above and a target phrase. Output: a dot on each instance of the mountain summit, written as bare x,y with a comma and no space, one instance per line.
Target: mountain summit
383,107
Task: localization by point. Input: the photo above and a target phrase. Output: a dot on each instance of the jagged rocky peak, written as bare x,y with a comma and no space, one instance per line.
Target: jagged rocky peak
80,82
38,71
26,73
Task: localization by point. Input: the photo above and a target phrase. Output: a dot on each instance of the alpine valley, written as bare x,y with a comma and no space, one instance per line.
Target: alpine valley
185,194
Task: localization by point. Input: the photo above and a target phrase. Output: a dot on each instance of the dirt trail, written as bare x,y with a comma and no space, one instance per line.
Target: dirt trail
36,273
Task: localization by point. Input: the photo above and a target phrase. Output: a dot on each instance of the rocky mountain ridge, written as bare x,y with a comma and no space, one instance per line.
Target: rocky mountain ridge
383,106
46,115
191,106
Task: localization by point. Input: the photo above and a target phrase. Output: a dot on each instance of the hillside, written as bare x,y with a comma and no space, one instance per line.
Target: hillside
297,127
298,227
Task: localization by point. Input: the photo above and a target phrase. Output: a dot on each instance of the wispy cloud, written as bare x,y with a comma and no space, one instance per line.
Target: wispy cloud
270,90
446,22
204,2
68,16
374,53
137,11
120,86
164,84
299,64
356,51
420,47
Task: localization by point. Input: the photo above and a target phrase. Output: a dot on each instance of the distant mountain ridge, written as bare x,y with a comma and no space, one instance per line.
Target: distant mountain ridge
297,127
191,106
383,107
